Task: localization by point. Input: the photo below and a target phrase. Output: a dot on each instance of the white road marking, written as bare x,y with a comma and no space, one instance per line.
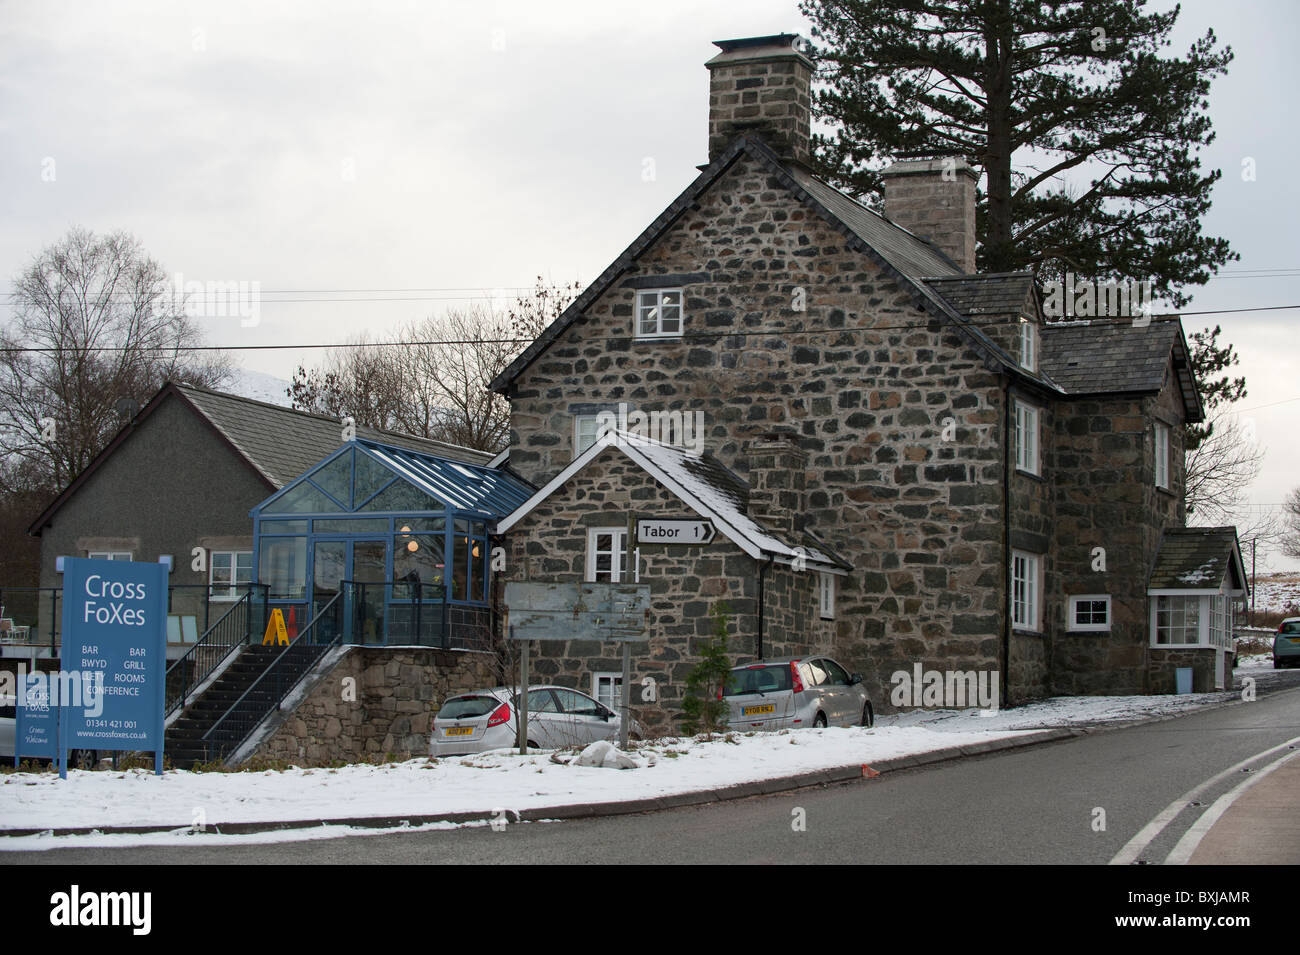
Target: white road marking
1135,846
1193,836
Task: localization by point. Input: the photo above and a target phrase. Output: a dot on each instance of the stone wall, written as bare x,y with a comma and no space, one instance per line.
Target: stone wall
397,693
686,585
863,376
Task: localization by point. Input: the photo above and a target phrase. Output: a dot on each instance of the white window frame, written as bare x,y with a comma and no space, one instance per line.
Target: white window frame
220,590
1028,345
1202,620
1072,621
653,298
580,442
1027,613
109,554
615,681
1162,455
1027,425
617,551
826,595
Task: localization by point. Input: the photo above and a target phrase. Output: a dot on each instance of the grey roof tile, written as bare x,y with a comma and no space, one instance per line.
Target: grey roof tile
1196,558
282,443
1108,356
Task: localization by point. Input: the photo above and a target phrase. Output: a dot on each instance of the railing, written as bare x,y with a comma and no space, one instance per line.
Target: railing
237,626
412,614
268,691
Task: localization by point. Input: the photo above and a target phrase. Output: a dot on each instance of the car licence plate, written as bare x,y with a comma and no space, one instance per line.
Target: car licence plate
458,730
755,710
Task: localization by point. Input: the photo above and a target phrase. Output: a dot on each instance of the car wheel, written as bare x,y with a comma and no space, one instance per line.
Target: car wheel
1276,665
83,759
634,737
531,745
820,721
868,717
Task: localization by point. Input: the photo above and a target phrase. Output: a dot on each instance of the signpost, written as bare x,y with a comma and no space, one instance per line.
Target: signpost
675,531
586,611
114,658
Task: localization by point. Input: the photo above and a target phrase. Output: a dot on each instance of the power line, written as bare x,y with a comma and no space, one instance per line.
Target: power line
686,336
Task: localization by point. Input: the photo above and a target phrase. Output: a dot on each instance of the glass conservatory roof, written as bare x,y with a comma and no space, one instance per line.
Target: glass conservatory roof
366,477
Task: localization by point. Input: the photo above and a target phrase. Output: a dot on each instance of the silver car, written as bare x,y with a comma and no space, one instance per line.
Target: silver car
793,692
557,717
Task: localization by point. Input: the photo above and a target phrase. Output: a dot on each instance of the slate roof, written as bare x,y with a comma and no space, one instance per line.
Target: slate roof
1111,357
706,486
905,256
992,293
1197,558
282,443
278,443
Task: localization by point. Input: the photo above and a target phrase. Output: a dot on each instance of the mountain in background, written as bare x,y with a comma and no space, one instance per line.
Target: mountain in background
259,386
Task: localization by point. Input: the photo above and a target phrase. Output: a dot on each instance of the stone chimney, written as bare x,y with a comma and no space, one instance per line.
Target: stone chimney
777,477
935,199
762,85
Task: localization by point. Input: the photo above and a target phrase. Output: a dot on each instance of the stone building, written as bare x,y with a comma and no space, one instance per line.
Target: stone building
905,462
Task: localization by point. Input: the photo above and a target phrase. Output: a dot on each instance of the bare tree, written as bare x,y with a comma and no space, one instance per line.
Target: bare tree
434,384
94,323
1220,470
1290,533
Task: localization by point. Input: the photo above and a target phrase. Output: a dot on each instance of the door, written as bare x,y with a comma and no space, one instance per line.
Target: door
583,719
839,689
369,573
329,569
1219,674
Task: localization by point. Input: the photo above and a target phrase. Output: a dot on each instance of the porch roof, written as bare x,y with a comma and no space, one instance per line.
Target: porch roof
1197,559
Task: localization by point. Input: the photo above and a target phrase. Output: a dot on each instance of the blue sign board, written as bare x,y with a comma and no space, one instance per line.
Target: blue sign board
36,723
114,640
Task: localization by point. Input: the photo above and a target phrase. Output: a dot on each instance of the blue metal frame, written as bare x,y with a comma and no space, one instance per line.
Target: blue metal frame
470,493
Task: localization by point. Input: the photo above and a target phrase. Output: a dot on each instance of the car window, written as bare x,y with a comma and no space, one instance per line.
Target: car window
541,701
807,676
819,675
836,672
467,707
578,704
1291,627
758,679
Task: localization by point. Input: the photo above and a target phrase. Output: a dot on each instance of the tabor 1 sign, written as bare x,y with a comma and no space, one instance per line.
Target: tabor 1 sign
115,633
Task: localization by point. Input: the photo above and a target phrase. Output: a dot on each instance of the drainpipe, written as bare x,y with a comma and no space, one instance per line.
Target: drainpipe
762,569
1007,438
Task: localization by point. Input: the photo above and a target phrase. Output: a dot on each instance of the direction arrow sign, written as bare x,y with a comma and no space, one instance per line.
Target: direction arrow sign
674,532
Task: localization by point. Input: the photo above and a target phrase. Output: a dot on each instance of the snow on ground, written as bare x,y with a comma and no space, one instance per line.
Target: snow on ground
504,780
1277,592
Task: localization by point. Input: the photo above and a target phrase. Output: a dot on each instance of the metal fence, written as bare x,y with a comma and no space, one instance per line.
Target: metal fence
269,689
239,625
397,613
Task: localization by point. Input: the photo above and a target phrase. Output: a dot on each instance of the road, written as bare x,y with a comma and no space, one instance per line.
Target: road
1079,801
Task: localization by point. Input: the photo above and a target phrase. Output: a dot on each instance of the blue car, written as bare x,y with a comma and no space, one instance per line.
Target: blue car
1286,644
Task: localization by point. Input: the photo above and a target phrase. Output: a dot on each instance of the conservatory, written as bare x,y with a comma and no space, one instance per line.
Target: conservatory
379,545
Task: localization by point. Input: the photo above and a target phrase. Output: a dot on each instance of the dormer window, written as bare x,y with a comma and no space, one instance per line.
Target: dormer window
659,313
1028,345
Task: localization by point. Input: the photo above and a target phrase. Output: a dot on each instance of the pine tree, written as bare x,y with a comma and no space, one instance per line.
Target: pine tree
702,707
1030,92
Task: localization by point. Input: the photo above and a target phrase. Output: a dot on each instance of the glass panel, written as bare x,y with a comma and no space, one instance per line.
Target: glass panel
369,572
417,557
401,496
283,567
335,479
283,527
303,499
476,564
351,525
371,476
329,563
429,524
460,568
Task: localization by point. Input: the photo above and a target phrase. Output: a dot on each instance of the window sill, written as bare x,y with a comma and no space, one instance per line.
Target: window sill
1024,632
1166,490
1030,474
1076,632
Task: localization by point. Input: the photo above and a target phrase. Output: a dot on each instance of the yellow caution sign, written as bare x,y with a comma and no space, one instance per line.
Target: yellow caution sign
276,633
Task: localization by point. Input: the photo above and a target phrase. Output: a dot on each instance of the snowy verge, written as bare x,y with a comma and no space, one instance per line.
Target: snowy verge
504,782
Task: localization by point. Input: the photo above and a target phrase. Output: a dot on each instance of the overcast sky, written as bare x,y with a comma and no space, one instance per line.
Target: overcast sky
464,148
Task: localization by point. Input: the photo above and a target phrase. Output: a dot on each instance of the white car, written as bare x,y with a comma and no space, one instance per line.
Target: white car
557,716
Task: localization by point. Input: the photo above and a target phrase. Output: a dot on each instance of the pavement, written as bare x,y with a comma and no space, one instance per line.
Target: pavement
1261,827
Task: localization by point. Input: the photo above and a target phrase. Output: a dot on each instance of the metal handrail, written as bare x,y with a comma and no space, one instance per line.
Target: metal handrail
209,642
280,693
